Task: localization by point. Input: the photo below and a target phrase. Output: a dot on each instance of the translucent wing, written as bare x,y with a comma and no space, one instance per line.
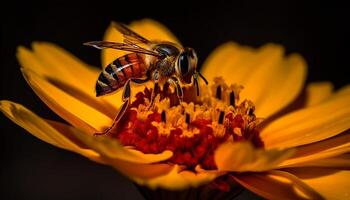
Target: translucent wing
129,34
128,46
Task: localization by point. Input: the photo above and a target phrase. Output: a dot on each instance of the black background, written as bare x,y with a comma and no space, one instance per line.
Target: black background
32,169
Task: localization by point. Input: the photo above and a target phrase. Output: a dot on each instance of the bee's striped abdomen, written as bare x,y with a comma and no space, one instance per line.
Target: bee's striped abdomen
115,75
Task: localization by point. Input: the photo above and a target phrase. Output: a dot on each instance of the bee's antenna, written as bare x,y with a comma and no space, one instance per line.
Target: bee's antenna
204,79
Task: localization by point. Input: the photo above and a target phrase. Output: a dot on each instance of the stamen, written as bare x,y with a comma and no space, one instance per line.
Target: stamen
183,110
232,98
188,118
250,111
163,116
221,117
218,92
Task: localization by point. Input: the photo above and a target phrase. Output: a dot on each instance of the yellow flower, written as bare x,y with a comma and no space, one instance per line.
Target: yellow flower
299,150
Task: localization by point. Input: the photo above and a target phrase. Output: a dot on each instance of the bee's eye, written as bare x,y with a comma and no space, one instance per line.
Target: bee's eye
184,63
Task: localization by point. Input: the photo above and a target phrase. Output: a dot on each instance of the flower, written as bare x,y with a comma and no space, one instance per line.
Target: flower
272,136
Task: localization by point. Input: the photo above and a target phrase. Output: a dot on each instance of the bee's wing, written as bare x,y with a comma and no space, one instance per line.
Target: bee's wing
129,46
129,34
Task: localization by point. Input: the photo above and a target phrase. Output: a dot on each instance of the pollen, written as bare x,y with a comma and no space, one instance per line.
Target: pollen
191,129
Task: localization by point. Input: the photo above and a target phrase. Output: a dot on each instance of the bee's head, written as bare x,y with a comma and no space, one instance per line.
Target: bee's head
186,64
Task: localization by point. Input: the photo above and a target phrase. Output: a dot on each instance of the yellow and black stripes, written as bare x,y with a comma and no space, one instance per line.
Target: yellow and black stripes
116,74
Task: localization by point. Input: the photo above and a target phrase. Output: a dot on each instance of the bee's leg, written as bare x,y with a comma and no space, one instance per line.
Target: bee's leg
126,91
116,119
140,81
155,89
179,92
154,94
166,87
126,101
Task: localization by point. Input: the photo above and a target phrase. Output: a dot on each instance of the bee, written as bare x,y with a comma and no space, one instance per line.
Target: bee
162,62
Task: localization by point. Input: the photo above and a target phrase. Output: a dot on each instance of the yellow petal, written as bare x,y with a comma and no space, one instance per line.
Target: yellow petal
270,80
275,85
276,185
111,148
330,183
344,91
52,61
231,61
65,70
178,180
310,124
63,136
242,156
73,110
148,28
137,171
313,154
342,161
318,92
51,133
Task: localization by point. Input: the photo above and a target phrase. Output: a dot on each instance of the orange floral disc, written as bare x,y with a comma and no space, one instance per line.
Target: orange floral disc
192,131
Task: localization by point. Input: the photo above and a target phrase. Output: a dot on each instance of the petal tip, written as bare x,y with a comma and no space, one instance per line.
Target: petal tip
4,104
21,51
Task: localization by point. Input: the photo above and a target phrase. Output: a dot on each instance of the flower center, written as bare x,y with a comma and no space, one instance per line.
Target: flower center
192,129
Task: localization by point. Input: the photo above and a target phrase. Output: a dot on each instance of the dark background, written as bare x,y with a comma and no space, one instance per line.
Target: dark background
32,169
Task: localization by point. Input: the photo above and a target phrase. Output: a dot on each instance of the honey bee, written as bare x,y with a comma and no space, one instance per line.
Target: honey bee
162,62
